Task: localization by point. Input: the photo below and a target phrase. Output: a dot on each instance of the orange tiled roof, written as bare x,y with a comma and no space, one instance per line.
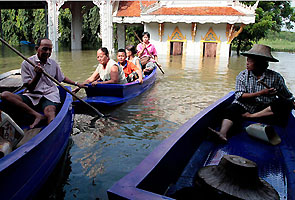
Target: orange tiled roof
131,8
197,11
148,3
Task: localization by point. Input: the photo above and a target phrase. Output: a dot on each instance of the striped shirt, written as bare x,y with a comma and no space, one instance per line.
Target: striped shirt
246,82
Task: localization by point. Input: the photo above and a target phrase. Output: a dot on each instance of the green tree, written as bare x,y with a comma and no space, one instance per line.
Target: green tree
9,27
39,25
269,16
91,28
64,27
23,24
130,36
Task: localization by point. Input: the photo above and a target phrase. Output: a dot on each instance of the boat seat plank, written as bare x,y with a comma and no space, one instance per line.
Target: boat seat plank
29,134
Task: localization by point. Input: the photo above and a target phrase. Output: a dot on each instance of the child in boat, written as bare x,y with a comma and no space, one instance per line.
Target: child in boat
130,53
132,72
252,99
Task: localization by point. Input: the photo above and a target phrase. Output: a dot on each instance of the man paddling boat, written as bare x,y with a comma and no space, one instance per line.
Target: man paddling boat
41,92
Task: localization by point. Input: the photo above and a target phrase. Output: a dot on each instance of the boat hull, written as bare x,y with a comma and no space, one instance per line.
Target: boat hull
172,167
25,170
115,94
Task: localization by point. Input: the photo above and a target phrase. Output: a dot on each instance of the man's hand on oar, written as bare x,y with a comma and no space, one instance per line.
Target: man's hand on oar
99,114
77,89
80,85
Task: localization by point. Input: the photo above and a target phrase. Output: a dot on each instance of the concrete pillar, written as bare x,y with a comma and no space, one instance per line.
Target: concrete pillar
106,25
53,12
46,20
121,35
76,26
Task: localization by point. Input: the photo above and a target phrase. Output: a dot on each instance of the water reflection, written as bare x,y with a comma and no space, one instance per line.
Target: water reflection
102,154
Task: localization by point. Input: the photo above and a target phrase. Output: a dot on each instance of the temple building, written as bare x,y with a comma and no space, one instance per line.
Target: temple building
188,28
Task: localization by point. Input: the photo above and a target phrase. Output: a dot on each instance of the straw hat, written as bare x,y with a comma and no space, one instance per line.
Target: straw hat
262,51
237,177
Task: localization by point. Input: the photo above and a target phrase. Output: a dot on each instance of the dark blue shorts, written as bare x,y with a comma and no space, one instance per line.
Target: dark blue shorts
41,105
280,107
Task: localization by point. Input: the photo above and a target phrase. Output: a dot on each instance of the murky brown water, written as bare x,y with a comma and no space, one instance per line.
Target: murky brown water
100,156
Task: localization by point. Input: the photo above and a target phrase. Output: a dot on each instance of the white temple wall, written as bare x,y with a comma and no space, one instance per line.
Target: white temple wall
191,48
220,31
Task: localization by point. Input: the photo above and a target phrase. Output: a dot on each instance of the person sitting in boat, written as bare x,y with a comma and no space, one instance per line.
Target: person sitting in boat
132,72
147,53
252,99
107,71
41,92
131,56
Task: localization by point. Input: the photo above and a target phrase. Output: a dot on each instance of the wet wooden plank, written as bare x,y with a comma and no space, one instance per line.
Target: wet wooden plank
29,134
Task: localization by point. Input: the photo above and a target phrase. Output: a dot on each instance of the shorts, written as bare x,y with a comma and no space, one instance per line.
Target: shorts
43,103
132,77
280,107
150,66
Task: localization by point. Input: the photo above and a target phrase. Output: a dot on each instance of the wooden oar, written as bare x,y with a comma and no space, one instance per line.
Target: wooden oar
277,93
149,53
53,79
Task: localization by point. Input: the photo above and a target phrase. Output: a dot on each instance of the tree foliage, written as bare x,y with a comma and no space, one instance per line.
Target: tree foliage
270,16
91,28
30,24
130,36
64,27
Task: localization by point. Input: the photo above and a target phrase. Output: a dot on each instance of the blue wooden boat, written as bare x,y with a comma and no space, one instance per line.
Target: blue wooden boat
24,42
115,94
172,167
24,170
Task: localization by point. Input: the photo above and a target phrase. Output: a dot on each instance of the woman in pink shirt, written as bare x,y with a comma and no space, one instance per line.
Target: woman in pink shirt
143,50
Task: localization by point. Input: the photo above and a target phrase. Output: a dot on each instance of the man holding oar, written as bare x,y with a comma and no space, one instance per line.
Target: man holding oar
41,92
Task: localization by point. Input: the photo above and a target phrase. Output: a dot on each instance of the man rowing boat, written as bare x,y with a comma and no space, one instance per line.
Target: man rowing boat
41,93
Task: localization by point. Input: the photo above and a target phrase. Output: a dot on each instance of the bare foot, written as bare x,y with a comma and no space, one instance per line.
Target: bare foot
247,115
216,133
37,120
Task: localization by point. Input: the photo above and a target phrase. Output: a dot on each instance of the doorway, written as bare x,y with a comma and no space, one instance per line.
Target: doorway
176,48
209,49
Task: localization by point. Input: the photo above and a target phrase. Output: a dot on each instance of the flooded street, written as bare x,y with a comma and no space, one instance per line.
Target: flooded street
100,156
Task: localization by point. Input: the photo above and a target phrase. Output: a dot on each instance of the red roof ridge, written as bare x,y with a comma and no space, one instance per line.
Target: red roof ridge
201,10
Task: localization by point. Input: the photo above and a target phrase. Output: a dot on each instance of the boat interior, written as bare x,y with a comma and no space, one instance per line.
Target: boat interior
171,170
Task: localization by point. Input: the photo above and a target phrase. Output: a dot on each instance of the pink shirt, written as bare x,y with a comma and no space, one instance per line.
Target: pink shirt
150,47
45,87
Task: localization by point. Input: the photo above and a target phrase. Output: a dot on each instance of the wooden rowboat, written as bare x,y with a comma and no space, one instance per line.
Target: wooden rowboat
171,169
24,170
115,94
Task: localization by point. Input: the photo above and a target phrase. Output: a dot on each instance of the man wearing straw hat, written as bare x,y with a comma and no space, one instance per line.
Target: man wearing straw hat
256,92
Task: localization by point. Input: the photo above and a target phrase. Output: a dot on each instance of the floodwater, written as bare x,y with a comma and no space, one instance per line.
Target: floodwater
98,157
